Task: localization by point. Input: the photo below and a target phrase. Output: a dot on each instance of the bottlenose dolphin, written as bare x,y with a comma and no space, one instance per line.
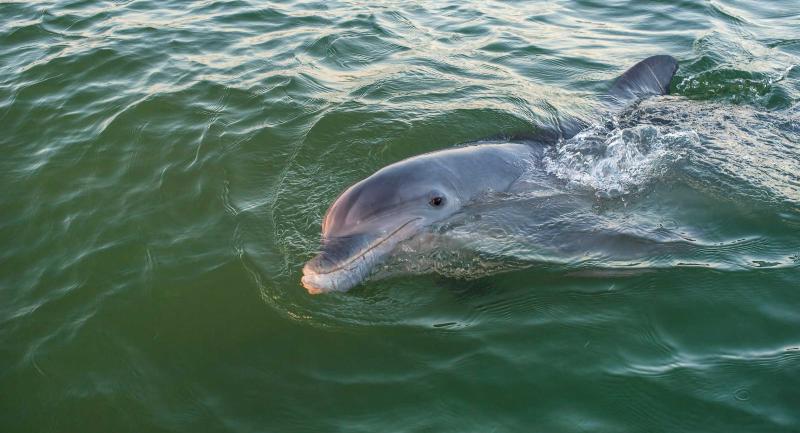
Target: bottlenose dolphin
367,221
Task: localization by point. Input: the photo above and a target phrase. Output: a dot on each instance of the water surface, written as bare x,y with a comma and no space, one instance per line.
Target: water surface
167,165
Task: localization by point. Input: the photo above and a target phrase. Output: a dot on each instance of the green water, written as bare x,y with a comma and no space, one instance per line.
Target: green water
166,165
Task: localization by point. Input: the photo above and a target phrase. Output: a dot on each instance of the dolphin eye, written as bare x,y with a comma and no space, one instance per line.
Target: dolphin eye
436,201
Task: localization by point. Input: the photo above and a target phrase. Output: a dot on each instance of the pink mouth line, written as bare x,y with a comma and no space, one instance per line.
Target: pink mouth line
372,247
308,274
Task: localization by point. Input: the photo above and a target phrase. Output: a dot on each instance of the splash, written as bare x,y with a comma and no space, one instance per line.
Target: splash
676,166
615,161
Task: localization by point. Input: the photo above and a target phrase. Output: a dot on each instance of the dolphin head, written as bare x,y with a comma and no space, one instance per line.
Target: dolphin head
369,219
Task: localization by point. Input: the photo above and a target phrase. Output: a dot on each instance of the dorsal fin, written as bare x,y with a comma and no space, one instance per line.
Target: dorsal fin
650,77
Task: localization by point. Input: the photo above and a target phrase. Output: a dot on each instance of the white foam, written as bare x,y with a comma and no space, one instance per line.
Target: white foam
617,161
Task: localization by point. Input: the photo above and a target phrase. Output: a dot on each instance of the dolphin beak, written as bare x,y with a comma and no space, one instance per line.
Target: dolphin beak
308,281
345,262
342,264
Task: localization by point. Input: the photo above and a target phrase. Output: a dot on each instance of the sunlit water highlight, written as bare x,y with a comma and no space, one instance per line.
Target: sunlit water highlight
167,165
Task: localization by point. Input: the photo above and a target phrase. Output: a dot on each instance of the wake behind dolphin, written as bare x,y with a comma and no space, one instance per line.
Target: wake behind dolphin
367,221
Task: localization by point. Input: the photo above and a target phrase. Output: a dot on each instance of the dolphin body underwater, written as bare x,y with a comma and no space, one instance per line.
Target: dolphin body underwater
368,220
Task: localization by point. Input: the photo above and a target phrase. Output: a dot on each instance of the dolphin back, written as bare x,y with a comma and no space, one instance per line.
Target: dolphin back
650,77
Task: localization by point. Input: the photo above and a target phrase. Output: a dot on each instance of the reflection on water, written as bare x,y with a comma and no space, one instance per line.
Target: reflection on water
167,163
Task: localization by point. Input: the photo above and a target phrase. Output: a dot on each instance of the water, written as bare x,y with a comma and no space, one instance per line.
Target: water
167,165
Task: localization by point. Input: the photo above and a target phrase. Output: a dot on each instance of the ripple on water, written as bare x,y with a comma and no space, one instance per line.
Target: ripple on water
168,163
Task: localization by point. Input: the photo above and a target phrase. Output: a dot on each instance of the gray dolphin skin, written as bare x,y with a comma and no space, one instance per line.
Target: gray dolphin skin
367,221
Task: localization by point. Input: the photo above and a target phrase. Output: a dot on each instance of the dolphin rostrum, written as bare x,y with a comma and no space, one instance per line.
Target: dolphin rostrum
367,221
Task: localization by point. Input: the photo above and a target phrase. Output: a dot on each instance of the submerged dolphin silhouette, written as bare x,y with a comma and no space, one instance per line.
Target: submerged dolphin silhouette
367,221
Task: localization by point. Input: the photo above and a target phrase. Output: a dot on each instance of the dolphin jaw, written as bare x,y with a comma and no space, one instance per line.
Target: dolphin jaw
355,269
340,280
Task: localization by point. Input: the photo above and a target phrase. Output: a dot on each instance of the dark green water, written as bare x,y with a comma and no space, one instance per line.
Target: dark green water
166,165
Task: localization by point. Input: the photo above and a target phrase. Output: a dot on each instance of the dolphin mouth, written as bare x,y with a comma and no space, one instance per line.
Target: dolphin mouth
352,271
